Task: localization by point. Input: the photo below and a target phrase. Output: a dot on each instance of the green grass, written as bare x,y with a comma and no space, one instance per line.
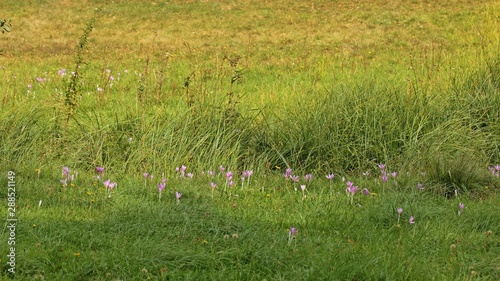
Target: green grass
320,87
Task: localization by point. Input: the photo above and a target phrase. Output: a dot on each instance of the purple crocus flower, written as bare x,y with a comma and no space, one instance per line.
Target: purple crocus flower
381,166
419,186
213,185
411,220
303,187
109,185
161,186
288,173
366,191
178,196
351,189
145,175
65,172
461,207
229,176
295,178
221,168
308,177
293,231
330,176
394,174
99,170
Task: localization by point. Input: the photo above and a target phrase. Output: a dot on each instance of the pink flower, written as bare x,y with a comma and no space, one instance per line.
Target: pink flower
178,195
99,170
308,177
411,220
110,185
161,186
293,231
330,176
303,187
366,191
461,207
351,188
295,178
288,173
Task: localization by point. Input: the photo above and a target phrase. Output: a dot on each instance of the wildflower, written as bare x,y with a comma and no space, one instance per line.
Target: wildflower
231,184
189,175
110,185
221,168
291,234
461,207
62,72
366,191
330,177
411,220
381,166
288,173
351,188
394,174
400,211
229,176
161,186
145,175
295,178
99,170
178,196
303,187
99,89
419,186
213,186
308,177
211,173
65,172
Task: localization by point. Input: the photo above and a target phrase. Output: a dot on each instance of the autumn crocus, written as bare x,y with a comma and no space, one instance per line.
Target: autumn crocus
178,197
461,207
366,191
303,188
100,171
352,189
291,234
288,173
400,211
411,220
308,177
213,186
109,185
161,186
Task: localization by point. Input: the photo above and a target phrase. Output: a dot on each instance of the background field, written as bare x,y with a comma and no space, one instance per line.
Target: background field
316,86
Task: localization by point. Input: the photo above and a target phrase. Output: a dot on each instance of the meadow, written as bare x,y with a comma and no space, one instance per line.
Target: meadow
250,140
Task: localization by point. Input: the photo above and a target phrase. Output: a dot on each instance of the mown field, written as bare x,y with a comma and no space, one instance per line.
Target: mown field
250,140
